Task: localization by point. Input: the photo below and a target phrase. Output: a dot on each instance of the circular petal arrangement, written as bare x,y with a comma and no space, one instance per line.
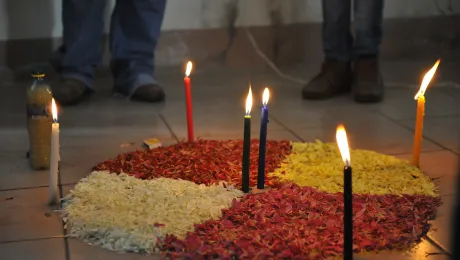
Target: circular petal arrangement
184,201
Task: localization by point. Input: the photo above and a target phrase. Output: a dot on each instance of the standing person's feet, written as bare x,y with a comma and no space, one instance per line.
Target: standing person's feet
68,91
367,81
145,93
334,79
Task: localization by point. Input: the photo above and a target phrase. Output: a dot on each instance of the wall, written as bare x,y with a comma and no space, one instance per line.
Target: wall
213,32
27,19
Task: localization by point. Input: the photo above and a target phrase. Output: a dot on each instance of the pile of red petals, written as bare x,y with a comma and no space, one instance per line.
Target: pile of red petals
203,161
295,222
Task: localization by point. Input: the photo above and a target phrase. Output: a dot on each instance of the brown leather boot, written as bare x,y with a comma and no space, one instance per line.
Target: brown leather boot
334,79
68,91
149,93
367,81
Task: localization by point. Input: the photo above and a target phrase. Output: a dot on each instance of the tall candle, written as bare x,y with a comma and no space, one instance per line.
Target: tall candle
420,97
54,157
263,140
246,143
418,130
188,101
347,194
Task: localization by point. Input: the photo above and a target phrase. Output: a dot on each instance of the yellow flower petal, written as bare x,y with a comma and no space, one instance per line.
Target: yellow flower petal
319,165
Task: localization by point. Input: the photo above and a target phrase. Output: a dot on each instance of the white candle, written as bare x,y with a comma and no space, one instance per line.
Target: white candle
54,157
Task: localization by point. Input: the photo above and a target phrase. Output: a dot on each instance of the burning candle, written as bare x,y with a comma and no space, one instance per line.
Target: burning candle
247,143
347,194
263,140
188,101
420,97
54,157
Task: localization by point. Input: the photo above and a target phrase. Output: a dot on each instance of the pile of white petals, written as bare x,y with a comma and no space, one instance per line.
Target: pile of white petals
126,214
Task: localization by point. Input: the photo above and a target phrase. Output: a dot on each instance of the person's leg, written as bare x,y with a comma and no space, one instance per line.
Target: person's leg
79,54
335,75
135,29
368,82
337,38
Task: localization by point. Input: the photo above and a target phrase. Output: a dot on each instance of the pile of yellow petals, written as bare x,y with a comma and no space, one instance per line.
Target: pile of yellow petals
320,165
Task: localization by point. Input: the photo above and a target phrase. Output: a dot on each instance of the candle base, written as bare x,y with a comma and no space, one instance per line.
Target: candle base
54,195
54,200
256,190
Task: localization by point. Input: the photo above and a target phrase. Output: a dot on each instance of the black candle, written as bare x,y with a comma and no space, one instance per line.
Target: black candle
347,214
246,153
342,142
246,144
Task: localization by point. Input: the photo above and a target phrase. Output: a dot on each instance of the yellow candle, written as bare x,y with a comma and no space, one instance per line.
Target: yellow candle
420,97
54,157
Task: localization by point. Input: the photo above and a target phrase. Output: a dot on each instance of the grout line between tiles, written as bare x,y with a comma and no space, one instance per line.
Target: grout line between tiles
24,188
30,239
35,187
437,245
286,128
426,117
169,127
423,135
64,231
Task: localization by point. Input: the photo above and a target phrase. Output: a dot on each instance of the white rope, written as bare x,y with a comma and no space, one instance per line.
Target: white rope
268,61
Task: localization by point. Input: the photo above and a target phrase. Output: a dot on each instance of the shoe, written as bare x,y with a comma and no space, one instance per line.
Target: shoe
367,81
149,93
334,79
68,91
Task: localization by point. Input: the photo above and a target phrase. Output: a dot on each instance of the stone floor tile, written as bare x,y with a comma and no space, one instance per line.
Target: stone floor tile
443,130
440,231
272,135
66,189
437,104
216,123
452,89
424,250
443,166
26,215
16,172
368,132
81,251
76,158
77,162
43,249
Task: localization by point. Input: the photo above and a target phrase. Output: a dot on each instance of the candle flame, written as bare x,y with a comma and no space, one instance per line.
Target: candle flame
265,96
342,142
426,80
54,110
249,102
189,69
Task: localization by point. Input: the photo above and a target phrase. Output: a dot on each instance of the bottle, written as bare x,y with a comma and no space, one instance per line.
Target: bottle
39,120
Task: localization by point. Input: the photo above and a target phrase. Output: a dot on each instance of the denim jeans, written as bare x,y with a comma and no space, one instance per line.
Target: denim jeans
134,31
338,41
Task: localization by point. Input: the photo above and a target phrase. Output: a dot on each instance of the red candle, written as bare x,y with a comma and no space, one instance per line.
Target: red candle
188,101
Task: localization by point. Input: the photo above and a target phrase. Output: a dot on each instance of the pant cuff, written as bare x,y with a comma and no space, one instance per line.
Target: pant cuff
130,85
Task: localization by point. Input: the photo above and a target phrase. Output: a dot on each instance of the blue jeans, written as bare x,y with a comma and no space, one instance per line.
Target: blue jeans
134,32
338,41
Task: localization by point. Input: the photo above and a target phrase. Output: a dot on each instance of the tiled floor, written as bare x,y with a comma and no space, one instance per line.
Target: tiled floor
104,126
